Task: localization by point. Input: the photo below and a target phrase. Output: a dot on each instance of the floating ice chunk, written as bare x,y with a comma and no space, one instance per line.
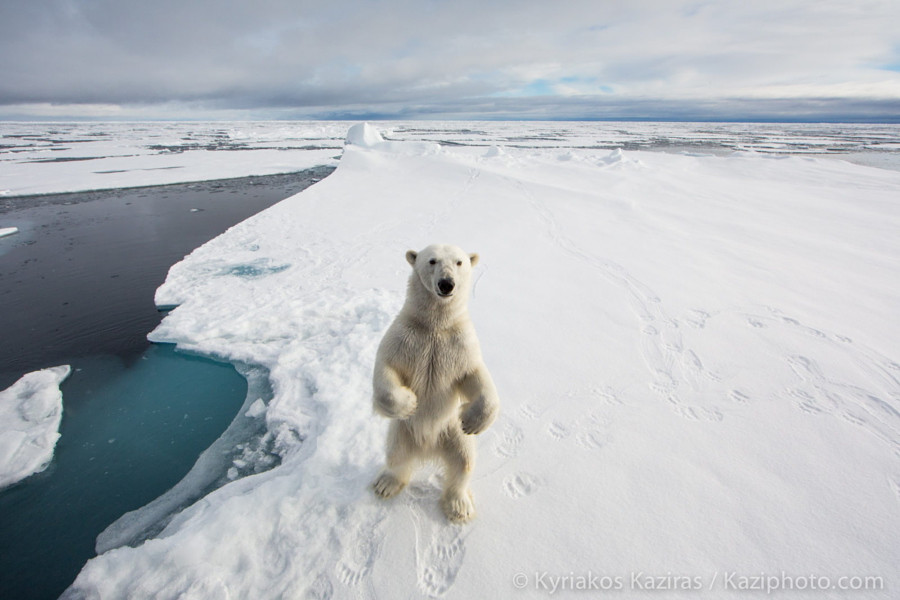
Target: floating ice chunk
364,135
30,412
257,409
5,231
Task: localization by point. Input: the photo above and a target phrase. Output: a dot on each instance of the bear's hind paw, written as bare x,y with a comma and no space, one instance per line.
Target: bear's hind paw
458,507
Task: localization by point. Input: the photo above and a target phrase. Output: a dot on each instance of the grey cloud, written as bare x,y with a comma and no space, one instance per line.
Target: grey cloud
438,56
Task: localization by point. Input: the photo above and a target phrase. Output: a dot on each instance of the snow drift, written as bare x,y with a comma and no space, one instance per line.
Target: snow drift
696,359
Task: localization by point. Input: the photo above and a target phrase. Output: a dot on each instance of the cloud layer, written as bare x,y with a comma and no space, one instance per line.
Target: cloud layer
411,58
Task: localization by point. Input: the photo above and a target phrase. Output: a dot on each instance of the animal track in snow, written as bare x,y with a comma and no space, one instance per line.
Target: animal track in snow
558,431
713,415
738,396
854,404
437,572
805,401
697,318
519,485
508,444
663,383
686,411
591,440
360,546
810,330
358,560
527,411
810,407
440,547
608,397
661,344
594,433
691,363
696,413
806,369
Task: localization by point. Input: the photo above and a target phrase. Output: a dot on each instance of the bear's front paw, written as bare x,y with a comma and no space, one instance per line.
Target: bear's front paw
399,403
387,485
476,418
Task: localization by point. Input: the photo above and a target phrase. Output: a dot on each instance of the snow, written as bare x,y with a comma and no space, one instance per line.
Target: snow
30,413
364,135
696,357
43,158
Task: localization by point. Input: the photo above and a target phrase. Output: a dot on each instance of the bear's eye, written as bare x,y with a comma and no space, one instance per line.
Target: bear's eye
432,261
459,263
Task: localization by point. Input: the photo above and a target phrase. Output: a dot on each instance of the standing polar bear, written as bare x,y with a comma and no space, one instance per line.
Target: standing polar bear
430,379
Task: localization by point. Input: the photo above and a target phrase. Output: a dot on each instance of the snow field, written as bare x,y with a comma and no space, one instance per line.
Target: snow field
696,358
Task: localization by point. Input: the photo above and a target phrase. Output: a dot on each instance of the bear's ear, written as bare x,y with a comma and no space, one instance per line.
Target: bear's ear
474,258
411,257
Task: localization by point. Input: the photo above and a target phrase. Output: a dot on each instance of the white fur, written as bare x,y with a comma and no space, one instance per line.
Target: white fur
430,380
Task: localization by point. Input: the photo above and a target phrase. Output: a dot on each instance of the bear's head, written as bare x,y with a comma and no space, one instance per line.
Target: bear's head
443,270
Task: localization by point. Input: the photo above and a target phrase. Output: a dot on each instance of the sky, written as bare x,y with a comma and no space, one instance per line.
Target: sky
450,59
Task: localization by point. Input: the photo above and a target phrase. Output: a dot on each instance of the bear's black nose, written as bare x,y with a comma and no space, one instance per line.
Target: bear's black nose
445,287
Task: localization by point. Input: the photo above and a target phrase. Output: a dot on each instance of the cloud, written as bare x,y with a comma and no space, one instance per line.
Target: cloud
421,57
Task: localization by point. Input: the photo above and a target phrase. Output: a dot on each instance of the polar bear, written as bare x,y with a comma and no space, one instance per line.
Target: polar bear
430,379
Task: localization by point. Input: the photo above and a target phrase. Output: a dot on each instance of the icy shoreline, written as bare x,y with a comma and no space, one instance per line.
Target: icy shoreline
729,403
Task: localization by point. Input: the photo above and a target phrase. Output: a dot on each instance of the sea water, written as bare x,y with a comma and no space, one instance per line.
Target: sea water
76,287
79,277
129,432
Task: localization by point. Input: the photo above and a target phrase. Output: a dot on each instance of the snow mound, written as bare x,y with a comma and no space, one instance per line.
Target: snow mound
30,413
696,359
364,135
